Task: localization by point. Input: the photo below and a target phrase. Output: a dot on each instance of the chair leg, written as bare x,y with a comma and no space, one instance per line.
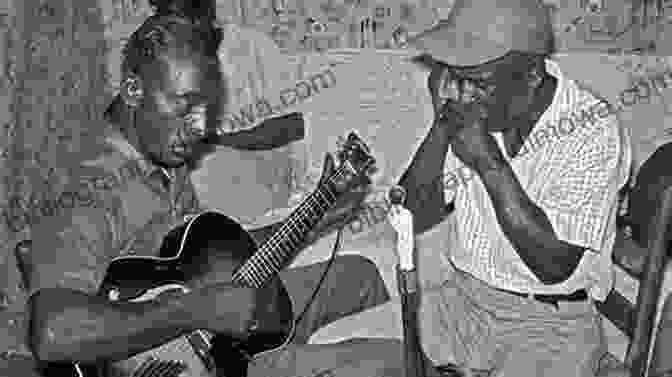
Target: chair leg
661,363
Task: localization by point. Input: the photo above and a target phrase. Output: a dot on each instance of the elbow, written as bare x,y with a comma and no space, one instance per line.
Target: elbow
42,350
558,271
553,278
42,337
556,263
38,339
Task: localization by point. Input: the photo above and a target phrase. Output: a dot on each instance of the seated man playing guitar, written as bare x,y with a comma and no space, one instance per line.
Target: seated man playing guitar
136,191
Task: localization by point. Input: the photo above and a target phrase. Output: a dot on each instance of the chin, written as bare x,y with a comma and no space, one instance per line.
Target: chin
498,129
496,125
501,120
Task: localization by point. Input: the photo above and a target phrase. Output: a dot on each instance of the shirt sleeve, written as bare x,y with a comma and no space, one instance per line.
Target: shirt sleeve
71,251
581,202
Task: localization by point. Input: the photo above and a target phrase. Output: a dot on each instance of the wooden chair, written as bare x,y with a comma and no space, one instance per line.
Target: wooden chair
650,219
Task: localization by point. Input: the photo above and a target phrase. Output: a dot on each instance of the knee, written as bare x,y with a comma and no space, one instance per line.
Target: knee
362,272
357,266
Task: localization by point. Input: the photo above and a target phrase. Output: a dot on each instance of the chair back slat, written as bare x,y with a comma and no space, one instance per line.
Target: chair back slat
657,241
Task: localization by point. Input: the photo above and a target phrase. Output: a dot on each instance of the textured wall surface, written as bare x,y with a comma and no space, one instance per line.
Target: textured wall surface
59,72
59,64
8,286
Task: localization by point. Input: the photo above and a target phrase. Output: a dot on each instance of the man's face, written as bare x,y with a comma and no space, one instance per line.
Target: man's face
183,98
494,85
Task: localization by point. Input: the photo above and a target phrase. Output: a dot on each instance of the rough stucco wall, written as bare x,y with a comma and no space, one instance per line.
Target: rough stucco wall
8,282
58,72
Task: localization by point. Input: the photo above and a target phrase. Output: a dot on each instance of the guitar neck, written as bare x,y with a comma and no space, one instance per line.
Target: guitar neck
273,254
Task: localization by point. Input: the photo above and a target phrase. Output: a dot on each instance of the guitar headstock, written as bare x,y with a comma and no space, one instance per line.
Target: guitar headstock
356,161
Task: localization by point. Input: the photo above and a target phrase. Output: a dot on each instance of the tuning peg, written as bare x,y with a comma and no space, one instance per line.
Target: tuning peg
352,136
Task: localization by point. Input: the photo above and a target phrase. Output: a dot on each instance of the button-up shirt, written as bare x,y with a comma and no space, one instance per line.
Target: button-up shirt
125,206
572,165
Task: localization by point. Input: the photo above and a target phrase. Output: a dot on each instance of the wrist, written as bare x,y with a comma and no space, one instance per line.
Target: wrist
491,161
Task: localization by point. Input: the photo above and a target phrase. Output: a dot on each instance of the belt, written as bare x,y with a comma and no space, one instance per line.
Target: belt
580,295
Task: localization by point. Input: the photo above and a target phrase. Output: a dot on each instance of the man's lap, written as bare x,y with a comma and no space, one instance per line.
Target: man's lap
351,285
351,358
381,321
474,325
454,330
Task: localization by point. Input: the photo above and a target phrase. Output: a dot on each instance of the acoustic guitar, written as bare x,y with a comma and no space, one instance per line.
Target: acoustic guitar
212,236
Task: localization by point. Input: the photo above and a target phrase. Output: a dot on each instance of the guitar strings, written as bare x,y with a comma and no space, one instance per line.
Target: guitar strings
256,272
273,242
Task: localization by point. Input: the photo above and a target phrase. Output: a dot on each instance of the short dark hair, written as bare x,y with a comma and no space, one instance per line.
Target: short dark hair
162,32
174,24
197,11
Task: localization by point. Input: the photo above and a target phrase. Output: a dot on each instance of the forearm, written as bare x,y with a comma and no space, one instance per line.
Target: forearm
422,180
84,328
528,228
72,326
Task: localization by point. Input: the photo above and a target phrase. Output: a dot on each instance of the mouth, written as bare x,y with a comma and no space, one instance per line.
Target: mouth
184,142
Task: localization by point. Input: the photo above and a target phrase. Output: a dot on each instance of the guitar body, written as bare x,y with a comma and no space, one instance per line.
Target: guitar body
211,247
187,253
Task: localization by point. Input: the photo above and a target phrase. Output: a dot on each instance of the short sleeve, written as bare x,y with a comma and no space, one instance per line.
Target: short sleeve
581,202
71,251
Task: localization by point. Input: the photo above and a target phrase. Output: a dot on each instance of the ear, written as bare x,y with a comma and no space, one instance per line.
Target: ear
131,90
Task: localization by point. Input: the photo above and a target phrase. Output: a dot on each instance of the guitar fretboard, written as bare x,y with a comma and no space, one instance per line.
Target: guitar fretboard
279,248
